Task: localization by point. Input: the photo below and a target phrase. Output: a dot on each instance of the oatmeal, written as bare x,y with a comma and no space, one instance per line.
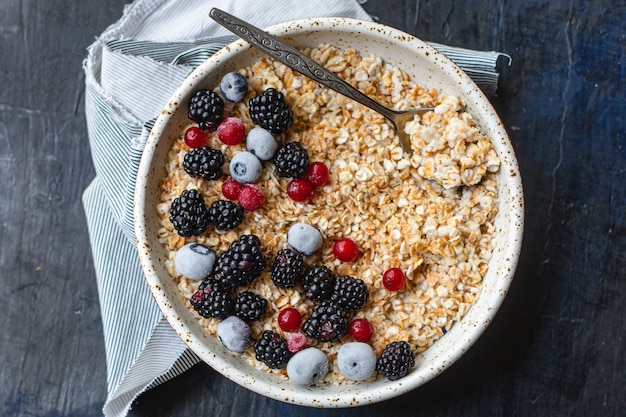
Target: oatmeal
429,214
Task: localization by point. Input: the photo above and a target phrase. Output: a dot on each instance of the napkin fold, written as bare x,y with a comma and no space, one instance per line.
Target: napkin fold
131,71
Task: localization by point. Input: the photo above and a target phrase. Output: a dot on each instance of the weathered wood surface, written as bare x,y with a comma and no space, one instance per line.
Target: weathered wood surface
557,346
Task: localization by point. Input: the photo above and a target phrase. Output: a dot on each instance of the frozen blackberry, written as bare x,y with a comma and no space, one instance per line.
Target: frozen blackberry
270,111
271,349
250,306
350,293
206,108
225,215
318,283
241,263
291,160
288,268
327,323
204,162
396,360
211,300
189,214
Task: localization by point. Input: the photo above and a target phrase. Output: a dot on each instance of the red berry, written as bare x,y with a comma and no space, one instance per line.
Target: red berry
194,137
345,250
289,319
231,189
295,342
317,173
361,330
251,197
393,279
300,189
231,131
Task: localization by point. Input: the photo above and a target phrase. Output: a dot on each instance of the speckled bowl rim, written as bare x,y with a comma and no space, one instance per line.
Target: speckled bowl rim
444,352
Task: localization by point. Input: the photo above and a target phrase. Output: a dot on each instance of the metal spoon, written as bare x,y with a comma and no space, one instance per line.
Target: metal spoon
306,66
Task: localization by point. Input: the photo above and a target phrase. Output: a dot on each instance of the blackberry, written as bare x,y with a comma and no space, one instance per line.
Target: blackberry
206,108
211,300
225,215
288,268
250,306
318,283
396,360
188,213
204,162
291,160
328,322
241,263
271,349
270,111
350,293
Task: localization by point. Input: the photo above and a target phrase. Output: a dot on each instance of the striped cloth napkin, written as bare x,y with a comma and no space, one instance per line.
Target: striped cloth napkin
131,71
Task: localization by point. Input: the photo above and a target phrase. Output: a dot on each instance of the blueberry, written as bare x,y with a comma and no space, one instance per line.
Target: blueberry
234,87
245,168
307,366
304,238
194,261
356,360
261,143
234,334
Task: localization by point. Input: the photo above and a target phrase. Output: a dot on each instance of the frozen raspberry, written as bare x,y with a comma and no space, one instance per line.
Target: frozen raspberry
251,197
317,173
231,189
194,137
393,279
345,250
300,190
231,131
361,330
289,319
295,342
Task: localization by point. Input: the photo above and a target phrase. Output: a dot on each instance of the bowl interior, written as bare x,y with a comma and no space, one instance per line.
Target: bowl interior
427,67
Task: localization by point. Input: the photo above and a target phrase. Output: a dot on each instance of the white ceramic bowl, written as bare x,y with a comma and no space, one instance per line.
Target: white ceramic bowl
427,67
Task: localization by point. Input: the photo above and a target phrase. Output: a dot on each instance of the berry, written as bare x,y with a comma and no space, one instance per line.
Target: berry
356,361
318,283
271,349
206,108
188,213
291,160
204,162
245,168
225,215
270,111
241,263
289,319
307,366
295,342
234,334
251,197
361,330
305,238
287,268
300,189
350,293
327,323
393,279
250,306
233,86
317,173
345,250
212,300
396,360
231,131
261,143
194,137
231,189
194,261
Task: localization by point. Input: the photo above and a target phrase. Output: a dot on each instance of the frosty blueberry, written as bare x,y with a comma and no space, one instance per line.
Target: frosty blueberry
194,261
356,360
234,333
307,366
304,238
261,143
245,168
233,86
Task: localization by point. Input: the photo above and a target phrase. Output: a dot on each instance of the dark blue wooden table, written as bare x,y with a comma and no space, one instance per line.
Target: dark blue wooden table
557,346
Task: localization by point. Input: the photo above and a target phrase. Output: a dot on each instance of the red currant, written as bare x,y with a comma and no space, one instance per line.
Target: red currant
361,330
231,189
300,189
393,279
317,173
345,250
194,137
295,342
251,197
231,131
289,319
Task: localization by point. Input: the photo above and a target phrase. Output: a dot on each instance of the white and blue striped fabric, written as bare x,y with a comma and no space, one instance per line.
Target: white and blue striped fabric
131,71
